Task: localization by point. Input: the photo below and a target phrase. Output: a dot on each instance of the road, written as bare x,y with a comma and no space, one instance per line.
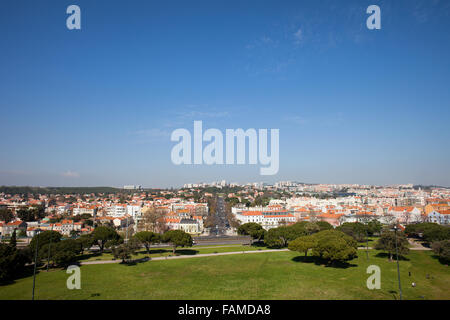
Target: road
221,219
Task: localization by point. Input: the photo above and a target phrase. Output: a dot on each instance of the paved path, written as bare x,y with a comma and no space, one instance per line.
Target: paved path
415,245
212,255
186,256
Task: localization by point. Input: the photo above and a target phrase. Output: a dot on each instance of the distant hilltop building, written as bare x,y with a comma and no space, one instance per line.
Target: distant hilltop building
130,187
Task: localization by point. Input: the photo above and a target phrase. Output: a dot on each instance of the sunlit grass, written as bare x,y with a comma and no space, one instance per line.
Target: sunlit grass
280,275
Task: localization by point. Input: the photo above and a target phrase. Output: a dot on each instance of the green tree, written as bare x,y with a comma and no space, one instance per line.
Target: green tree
6,215
12,262
299,229
125,251
357,230
65,252
22,233
442,249
334,246
323,225
428,231
281,236
387,243
13,241
252,229
102,235
436,233
311,228
33,213
374,227
64,258
303,244
44,239
147,238
86,242
177,238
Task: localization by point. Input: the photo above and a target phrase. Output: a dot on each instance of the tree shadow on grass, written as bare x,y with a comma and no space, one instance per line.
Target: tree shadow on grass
186,252
25,273
319,262
386,255
153,251
135,261
258,244
440,259
88,255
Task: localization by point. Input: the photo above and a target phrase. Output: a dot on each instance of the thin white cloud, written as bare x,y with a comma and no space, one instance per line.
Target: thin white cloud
298,35
70,174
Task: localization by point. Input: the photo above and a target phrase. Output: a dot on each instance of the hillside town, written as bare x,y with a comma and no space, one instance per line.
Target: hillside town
190,208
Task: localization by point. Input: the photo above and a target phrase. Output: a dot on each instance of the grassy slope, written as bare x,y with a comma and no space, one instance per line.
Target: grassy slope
252,276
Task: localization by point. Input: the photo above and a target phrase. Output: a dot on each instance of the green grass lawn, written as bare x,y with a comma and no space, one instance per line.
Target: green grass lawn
278,275
161,252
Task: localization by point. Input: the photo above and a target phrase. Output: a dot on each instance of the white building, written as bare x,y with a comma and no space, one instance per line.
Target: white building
439,217
117,210
134,211
267,219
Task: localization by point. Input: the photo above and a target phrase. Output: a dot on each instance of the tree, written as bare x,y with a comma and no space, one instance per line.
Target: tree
252,229
311,227
442,249
234,223
102,235
389,219
210,220
177,238
86,241
64,258
61,253
6,215
33,213
357,230
374,227
65,252
387,243
44,239
74,233
334,246
114,242
436,233
152,220
323,225
303,244
13,241
125,250
428,231
299,229
278,237
12,262
22,233
147,238
69,245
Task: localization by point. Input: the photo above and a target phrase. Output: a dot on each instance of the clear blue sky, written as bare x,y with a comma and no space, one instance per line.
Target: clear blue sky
96,106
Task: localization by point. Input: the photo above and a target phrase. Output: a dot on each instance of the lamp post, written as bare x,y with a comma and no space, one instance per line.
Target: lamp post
126,232
398,266
49,246
35,259
367,245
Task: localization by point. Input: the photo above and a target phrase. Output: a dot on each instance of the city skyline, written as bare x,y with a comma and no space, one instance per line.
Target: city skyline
97,106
